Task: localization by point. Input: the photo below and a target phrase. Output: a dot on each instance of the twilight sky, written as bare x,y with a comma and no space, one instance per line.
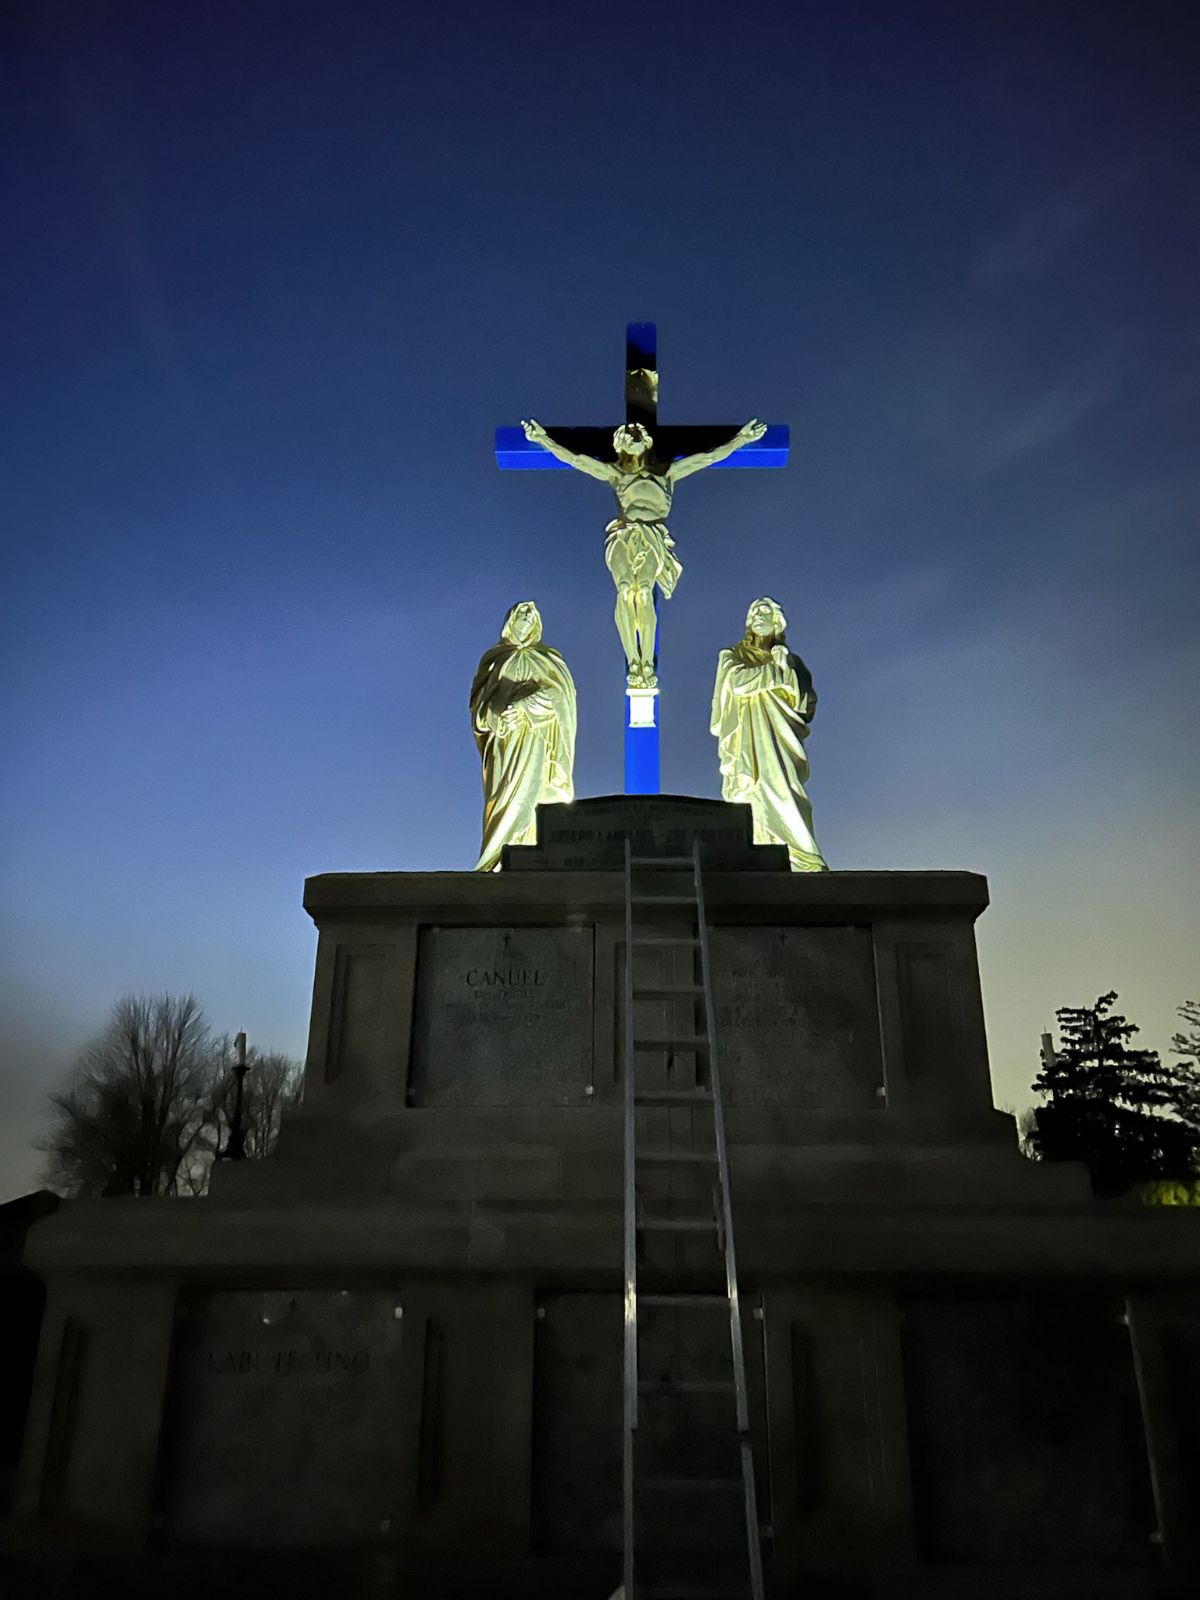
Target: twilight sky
273,272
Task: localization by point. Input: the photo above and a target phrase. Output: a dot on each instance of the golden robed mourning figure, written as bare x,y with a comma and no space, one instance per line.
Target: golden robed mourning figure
638,550
763,702
523,716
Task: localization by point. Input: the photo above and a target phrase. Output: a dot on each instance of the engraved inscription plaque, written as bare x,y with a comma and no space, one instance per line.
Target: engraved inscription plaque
504,1017
797,1018
284,1425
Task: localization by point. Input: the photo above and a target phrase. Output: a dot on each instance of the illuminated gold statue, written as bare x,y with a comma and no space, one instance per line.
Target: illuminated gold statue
638,550
763,702
523,715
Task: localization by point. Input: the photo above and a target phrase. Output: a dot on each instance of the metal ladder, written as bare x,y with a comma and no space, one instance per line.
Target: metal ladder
637,1222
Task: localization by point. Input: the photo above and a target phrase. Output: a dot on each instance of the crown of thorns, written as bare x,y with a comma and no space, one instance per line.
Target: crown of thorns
630,430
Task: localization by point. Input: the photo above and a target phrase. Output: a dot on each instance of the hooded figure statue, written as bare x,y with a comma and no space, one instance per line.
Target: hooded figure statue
763,702
523,717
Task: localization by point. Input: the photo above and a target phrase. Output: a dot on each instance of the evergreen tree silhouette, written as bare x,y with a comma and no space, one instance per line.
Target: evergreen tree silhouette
1119,1109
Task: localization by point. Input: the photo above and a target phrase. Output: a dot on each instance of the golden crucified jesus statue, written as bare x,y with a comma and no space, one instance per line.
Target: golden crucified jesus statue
638,549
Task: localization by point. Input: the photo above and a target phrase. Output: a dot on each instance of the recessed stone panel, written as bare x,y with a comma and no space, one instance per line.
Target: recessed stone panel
576,1458
1025,1430
284,1425
358,1041
504,1017
797,1018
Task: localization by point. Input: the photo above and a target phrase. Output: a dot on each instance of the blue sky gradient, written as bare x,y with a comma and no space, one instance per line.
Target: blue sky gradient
275,273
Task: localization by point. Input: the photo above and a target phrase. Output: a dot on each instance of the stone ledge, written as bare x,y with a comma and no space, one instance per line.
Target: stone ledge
841,1173
499,897
185,1239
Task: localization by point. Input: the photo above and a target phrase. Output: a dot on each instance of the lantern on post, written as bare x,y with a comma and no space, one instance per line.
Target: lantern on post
236,1148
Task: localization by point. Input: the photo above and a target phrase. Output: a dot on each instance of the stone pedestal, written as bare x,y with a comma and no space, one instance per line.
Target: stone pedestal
390,1353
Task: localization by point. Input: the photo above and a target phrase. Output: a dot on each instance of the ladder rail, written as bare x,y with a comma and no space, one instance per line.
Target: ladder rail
703,993
630,1406
731,1281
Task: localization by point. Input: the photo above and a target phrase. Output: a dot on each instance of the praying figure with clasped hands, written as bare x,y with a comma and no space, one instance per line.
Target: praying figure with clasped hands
523,719
762,709
638,549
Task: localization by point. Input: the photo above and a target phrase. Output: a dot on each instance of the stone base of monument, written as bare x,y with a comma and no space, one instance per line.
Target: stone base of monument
386,1361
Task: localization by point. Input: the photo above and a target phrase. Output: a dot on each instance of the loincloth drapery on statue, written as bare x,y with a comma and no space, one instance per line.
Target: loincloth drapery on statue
763,701
523,718
647,548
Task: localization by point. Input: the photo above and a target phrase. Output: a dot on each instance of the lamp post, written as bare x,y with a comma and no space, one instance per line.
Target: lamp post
236,1148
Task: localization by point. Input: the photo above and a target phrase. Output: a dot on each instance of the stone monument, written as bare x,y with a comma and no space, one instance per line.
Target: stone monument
388,1359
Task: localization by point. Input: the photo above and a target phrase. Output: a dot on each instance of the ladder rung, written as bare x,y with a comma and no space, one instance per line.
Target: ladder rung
664,991
667,1158
690,1591
687,1386
668,941
673,1097
678,1225
683,863
663,899
705,1301
671,1041
703,1485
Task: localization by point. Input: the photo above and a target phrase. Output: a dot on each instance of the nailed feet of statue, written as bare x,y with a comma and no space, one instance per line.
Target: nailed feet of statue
640,677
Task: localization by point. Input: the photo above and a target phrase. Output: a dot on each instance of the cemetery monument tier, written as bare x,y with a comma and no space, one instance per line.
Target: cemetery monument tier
387,1359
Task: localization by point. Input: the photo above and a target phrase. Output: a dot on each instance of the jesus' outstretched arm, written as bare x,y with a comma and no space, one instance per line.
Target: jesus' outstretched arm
686,465
536,434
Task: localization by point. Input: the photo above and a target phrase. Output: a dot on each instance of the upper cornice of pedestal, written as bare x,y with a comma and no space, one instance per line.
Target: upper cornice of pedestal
566,894
579,861
577,868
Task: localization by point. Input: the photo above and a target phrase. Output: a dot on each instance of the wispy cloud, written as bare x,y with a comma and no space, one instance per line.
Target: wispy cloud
1046,417
972,398
1046,228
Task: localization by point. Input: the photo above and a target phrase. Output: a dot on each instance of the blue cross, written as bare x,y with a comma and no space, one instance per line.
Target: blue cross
514,452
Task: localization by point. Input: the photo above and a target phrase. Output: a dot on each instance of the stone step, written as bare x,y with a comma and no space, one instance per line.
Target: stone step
510,1237
497,1172
762,1176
